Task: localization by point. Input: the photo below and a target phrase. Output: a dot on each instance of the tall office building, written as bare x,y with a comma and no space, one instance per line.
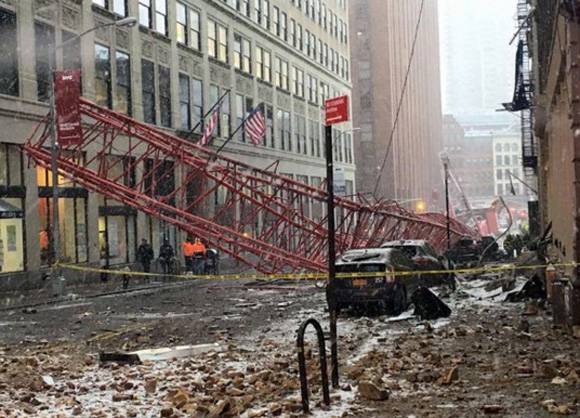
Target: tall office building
382,34
168,70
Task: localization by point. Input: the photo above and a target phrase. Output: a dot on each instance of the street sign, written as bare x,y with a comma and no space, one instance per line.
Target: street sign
339,182
336,110
67,91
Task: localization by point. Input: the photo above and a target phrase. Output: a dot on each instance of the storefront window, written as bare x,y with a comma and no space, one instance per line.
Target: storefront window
72,217
11,235
12,256
72,229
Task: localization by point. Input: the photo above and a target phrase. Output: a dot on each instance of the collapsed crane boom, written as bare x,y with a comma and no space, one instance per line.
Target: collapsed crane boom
268,221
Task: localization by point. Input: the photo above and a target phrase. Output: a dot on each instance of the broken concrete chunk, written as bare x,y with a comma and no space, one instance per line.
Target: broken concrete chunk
428,306
372,392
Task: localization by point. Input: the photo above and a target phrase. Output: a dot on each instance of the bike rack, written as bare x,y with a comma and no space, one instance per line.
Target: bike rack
302,363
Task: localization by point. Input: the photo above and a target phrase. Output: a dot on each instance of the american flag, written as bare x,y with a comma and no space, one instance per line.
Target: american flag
210,128
255,126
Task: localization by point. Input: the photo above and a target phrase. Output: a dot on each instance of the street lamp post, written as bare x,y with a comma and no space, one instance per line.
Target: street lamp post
54,150
445,161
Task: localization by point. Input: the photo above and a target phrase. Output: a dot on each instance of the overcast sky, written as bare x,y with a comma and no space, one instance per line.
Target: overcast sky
477,62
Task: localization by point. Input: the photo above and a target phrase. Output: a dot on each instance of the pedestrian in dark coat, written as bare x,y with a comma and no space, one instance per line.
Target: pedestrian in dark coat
145,255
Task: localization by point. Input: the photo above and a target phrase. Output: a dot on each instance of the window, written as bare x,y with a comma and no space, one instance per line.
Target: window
506,160
242,54
306,45
243,6
102,3
120,7
348,148
145,13
282,74
165,96
297,82
269,127
284,26
499,174
161,16
217,41
498,160
240,114
299,36
312,89
313,46
292,33
194,30
197,90
314,135
225,112
9,62
284,129
44,36
103,76
276,21
123,87
184,102
300,133
71,55
263,64
266,14
148,91
181,23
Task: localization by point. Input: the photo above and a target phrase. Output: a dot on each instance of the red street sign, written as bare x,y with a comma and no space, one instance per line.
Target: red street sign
336,110
67,93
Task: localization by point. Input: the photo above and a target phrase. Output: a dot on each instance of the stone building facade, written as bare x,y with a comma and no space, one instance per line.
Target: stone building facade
168,70
382,35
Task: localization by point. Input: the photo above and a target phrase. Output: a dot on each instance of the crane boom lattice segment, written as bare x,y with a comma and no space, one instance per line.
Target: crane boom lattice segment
268,221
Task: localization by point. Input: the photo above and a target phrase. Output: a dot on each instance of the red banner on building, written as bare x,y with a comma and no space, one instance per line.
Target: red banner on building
67,93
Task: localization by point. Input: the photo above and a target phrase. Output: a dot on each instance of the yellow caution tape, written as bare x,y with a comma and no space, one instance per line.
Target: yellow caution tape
316,276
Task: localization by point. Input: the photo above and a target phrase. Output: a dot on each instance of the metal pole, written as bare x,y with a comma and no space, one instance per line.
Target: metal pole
54,168
448,215
330,296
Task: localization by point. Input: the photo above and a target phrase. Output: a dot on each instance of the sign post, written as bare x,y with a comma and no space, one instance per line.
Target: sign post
336,111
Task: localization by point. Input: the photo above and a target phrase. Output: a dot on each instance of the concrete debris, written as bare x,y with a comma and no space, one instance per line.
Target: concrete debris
551,406
159,354
372,392
492,409
533,289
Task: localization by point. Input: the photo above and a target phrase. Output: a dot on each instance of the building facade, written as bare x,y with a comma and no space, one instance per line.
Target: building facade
507,163
406,165
168,70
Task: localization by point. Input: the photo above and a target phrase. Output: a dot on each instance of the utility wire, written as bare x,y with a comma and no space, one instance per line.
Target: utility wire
400,104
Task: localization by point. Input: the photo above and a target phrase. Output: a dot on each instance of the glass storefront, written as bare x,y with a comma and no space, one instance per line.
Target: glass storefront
11,235
72,212
12,193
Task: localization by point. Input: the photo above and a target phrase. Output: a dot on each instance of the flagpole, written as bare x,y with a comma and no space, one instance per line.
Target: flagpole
222,97
237,130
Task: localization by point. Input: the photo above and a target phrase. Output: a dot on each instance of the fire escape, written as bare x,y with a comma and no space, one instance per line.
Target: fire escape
529,143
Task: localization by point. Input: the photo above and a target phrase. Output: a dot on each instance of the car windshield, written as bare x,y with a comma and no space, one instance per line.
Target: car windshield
407,250
361,268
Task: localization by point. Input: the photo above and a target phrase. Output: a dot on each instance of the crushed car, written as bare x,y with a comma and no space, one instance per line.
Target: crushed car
382,291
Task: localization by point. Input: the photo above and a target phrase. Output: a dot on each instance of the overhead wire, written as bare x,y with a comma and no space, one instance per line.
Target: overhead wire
401,98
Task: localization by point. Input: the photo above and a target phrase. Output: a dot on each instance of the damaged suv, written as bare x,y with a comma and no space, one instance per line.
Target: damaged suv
382,290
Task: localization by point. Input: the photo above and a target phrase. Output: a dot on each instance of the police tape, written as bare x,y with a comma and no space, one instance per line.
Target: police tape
489,269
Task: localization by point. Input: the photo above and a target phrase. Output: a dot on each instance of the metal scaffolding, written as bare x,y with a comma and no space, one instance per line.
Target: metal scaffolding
268,221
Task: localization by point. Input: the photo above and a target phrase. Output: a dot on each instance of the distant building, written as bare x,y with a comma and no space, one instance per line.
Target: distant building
507,163
382,34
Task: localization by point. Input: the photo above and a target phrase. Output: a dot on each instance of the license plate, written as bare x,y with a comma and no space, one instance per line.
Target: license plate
359,282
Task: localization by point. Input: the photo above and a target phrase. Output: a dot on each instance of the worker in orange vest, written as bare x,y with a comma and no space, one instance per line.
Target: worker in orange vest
188,252
198,256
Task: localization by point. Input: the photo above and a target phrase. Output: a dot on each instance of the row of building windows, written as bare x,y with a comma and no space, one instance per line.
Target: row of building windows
188,32
507,160
507,147
113,89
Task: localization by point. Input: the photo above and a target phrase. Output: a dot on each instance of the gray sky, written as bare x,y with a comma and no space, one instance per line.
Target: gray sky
477,64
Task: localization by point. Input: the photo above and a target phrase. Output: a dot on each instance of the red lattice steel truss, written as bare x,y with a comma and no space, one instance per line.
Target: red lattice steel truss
266,220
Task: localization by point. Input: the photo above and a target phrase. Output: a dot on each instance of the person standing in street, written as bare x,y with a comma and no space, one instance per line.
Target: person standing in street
145,255
188,252
166,254
199,250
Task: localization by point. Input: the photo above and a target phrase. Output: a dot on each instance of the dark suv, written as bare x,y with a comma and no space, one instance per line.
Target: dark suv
382,290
